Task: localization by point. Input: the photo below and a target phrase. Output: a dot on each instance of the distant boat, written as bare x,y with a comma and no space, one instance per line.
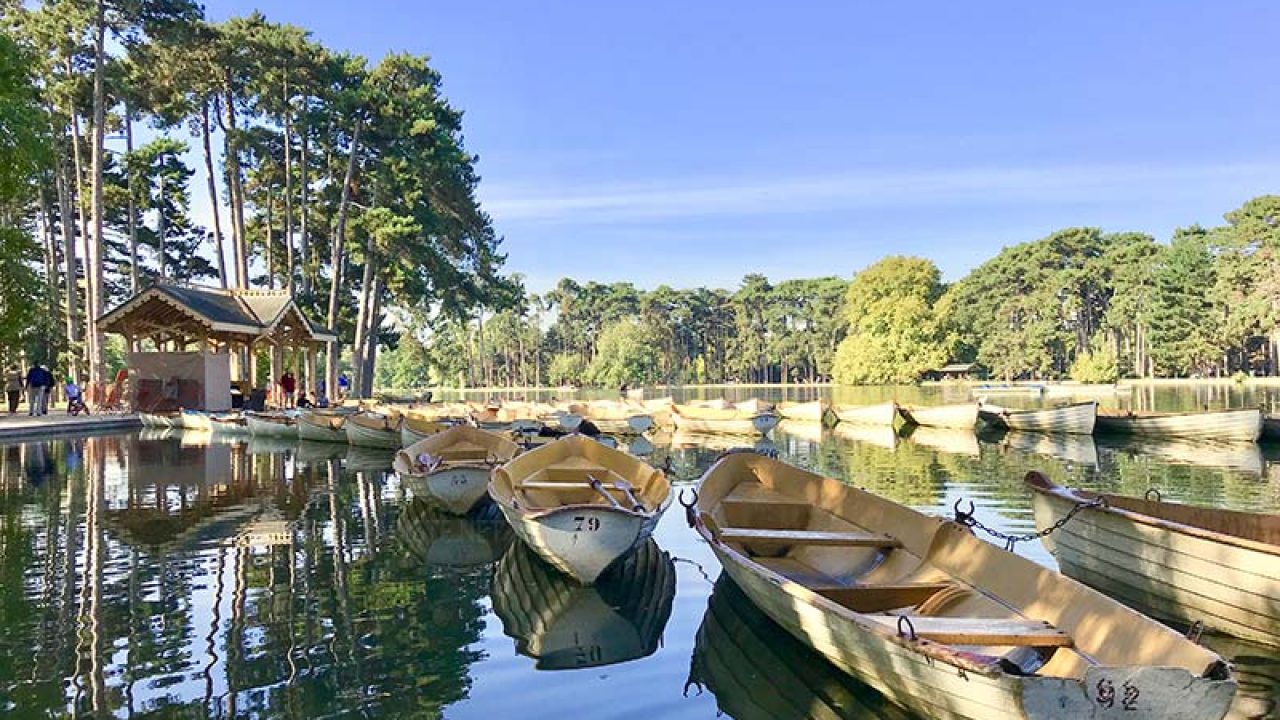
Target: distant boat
1184,562
232,423
816,411
1074,419
580,505
615,418
373,430
1221,425
963,416
978,391
1069,389
882,414
272,424
731,420
566,626
935,618
414,429
161,420
197,420
451,468
322,426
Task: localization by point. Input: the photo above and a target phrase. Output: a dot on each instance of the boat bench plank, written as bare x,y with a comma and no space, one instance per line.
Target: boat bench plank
808,537
755,493
567,485
983,632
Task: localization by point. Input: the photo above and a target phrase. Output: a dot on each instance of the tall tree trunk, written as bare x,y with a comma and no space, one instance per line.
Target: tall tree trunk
288,192
71,292
268,245
336,259
94,257
363,316
213,192
235,187
304,245
162,231
133,210
371,336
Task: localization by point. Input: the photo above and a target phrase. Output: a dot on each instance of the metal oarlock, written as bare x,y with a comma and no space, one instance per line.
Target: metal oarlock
690,514
910,631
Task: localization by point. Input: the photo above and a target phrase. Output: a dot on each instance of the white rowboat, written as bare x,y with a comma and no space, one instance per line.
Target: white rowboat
1074,419
271,425
963,416
373,430
451,468
1220,425
882,414
322,427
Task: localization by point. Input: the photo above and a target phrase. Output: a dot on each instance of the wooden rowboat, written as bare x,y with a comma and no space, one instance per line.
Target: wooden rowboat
414,429
451,468
757,671
196,420
613,417
565,626
936,619
963,416
271,424
1071,389
815,411
229,424
756,405
373,430
1073,419
882,414
730,420
979,391
322,427
161,420
1218,567
660,410
1220,425
579,504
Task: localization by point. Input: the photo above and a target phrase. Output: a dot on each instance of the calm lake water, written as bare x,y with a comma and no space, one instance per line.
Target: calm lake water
170,575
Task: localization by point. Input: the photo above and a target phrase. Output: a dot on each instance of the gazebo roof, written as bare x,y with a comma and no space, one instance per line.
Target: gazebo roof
216,312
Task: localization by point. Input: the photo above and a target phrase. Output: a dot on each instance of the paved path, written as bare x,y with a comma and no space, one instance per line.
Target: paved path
58,422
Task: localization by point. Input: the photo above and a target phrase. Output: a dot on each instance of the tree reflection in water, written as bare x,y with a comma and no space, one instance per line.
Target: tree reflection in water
178,576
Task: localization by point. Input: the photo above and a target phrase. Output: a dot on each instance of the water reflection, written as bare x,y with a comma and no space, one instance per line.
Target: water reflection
564,625
170,574
757,671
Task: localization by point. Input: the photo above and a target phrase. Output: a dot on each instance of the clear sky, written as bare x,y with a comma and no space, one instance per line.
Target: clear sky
690,143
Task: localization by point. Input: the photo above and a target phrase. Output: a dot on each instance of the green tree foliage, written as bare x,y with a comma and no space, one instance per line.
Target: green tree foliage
893,336
1183,331
1096,366
627,354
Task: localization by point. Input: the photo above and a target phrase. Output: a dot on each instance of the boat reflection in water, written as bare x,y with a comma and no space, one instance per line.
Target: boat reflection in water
880,436
758,671
1257,671
563,625
1235,456
952,441
1074,449
440,539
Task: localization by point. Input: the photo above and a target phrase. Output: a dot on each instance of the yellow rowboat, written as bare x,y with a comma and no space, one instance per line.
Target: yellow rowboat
1217,567
413,429
579,504
963,416
936,619
196,420
614,418
757,671
438,539
565,626
755,405
659,409
711,420
271,424
1073,419
815,411
373,430
1218,425
322,426
451,468
882,414
161,420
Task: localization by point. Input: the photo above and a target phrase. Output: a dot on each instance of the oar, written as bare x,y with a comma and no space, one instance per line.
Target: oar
599,487
626,489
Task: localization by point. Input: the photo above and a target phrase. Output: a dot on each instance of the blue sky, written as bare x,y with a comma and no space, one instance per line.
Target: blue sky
690,143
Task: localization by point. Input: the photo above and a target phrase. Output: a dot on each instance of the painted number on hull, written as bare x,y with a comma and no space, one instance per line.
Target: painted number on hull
589,524
1106,696
459,480
588,655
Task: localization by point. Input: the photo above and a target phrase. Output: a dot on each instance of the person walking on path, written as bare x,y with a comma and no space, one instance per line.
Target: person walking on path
13,383
289,385
47,383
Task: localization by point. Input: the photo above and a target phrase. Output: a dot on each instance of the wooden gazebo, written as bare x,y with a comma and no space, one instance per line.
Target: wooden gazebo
195,341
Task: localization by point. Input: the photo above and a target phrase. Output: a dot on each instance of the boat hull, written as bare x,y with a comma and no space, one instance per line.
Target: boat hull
756,424
1172,574
882,414
582,542
271,427
815,411
321,432
229,425
956,417
1223,425
197,421
359,435
1077,419
456,490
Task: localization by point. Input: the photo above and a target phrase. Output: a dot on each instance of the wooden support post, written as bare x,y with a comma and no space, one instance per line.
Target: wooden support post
309,359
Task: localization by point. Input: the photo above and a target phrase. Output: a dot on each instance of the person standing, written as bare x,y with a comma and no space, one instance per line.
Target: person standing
34,386
13,388
46,389
289,385
344,386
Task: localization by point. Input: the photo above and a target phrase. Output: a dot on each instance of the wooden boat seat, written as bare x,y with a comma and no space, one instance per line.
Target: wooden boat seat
573,468
808,537
569,485
881,597
982,632
756,494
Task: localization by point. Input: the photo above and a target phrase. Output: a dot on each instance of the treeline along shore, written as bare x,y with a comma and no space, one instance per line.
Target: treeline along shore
1081,304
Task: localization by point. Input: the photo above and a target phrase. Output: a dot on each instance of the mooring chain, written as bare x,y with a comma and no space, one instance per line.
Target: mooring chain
967,519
